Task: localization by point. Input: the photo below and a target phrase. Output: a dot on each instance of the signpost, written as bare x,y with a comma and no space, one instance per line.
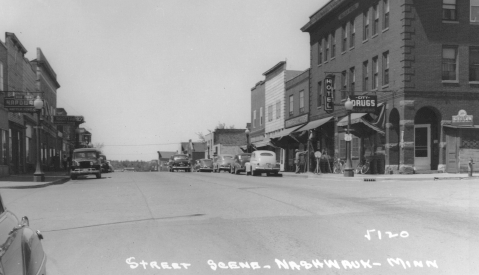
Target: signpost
329,97
364,103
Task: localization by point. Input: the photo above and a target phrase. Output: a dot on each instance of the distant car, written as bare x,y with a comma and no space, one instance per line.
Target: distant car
239,163
222,162
21,249
203,165
179,162
262,162
110,167
85,161
104,164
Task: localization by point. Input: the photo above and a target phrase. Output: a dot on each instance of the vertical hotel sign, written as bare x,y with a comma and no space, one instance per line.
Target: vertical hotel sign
329,98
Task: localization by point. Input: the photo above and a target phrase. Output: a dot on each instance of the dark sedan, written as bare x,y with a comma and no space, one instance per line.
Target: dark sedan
179,162
21,248
203,165
239,163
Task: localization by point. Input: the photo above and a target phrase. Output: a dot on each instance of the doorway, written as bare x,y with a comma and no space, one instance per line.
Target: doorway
422,146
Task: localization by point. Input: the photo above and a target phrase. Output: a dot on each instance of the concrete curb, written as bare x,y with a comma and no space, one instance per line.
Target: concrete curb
376,178
41,185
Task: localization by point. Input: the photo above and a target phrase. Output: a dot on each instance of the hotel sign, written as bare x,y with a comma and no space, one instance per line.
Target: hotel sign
329,97
296,121
462,118
19,103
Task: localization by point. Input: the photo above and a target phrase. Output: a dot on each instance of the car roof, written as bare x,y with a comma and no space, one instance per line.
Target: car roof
86,150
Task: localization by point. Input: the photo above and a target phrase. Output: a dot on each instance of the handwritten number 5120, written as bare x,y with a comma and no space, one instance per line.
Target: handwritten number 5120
389,234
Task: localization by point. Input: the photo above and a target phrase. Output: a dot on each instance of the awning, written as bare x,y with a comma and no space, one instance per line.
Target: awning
462,126
355,118
263,143
286,132
315,124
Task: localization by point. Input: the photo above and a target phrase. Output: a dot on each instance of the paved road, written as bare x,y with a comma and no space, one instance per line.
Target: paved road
205,223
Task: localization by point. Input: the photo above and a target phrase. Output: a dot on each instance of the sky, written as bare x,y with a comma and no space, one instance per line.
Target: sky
149,74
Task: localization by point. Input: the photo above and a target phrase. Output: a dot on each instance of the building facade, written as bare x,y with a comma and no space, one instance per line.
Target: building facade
257,125
425,77
4,127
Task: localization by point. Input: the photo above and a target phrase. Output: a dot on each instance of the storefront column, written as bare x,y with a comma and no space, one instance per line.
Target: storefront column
407,147
441,167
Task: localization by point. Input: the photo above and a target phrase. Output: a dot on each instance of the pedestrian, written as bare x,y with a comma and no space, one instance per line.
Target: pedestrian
297,160
64,162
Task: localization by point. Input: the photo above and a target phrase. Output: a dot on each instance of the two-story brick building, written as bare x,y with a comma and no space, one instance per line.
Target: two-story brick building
421,59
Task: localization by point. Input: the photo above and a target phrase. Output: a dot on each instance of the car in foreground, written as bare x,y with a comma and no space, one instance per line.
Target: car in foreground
203,165
85,161
179,162
262,161
21,248
239,162
222,163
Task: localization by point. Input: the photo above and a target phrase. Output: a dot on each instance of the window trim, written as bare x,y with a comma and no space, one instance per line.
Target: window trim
456,63
454,9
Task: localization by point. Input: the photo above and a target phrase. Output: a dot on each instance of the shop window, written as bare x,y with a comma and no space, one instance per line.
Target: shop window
449,63
475,11
449,10
474,64
355,148
469,139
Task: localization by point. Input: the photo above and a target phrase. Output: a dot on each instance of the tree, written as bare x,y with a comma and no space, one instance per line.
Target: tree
98,145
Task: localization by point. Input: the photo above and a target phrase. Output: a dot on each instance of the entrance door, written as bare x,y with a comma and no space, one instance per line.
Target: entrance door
422,146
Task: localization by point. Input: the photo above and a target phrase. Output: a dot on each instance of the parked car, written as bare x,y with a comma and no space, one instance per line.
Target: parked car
222,162
179,162
104,164
110,167
239,163
262,162
21,247
202,165
85,161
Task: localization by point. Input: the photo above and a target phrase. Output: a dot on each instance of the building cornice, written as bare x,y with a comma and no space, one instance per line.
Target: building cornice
322,12
274,68
16,41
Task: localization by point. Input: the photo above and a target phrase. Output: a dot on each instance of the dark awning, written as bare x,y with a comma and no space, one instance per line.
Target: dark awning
355,118
315,124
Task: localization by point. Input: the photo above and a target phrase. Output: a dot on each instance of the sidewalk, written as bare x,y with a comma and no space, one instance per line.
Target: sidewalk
26,180
397,177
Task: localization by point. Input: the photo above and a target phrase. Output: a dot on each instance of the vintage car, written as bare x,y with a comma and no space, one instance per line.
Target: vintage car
202,165
239,163
222,162
110,167
85,161
104,164
179,162
21,247
262,162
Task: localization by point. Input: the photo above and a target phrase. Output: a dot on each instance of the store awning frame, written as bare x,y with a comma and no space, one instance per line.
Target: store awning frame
355,118
315,124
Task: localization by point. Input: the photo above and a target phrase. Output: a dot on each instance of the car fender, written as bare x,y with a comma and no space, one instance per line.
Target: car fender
32,249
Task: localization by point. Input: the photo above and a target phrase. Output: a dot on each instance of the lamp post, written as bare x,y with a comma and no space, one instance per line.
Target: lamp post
38,175
247,140
348,170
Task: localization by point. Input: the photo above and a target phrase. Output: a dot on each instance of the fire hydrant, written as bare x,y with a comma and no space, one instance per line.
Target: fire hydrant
470,168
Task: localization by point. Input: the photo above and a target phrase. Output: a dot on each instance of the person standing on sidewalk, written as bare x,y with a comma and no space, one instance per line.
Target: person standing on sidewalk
297,160
64,162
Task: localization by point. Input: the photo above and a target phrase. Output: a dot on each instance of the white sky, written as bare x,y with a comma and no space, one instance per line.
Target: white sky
150,74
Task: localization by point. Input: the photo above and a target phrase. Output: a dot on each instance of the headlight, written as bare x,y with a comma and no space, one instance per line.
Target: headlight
91,162
75,163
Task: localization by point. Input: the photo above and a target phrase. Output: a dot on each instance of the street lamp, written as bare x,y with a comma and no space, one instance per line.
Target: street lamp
38,175
247,140
348,170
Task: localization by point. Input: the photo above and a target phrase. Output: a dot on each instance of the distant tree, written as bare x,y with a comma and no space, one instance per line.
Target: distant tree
98,145
232,127
220,125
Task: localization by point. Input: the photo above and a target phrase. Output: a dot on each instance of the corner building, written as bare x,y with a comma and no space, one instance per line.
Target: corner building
421,59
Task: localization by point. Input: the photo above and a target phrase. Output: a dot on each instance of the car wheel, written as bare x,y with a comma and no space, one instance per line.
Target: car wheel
73,177
236,171
98,175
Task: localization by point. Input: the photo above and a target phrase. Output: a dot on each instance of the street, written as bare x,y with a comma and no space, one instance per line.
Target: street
210,223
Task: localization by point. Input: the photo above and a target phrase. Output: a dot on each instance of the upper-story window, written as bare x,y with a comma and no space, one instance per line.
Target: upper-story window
333,45
375,73
278,109
385,75
320,94
320,53
449,10
449,63
385,14
254,118
474,64
301,102
352,80
344,38
366,25
270,113
344,85
365,75
260,116
376,19
326,51
352,33
1,76
291,102
475,11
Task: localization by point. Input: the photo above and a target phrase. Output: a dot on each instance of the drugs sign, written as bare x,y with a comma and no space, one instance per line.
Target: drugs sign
329,97
364,103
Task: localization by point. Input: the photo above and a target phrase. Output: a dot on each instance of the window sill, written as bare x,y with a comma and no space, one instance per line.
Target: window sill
333,58
385,86
450,81
352,48
374,36
474,23
364,41
474,82
320,64
385,30
450,22
343,52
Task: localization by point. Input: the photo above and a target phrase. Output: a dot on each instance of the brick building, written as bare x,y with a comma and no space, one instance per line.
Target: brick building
3,112
421,59
225,141
257,124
